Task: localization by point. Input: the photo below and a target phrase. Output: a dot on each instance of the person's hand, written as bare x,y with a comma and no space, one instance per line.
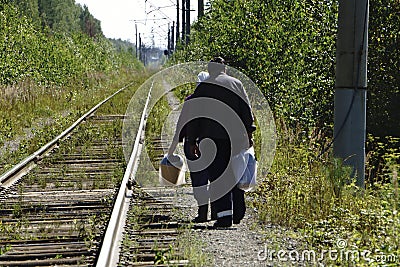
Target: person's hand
172,148
250,136
194,149
170,152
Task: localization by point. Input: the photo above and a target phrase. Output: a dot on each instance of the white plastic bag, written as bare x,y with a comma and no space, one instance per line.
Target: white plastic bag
244,166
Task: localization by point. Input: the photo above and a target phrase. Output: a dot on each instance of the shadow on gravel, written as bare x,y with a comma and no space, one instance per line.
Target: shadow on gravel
210,227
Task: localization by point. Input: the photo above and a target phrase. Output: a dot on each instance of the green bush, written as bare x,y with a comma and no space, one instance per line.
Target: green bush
286,47
46,74
52,57
383,68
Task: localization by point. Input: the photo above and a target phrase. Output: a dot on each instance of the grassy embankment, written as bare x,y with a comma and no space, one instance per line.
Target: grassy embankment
49,78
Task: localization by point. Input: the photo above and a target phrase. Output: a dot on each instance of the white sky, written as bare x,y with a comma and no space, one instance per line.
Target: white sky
117,18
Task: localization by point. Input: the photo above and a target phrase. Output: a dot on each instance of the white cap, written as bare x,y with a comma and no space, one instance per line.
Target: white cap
202,76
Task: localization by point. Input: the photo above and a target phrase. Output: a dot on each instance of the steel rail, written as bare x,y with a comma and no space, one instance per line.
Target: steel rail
23,167
109,252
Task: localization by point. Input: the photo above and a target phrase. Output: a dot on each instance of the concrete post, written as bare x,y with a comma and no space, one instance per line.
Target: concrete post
351,85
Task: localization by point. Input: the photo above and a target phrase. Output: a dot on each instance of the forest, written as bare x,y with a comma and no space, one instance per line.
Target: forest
51,42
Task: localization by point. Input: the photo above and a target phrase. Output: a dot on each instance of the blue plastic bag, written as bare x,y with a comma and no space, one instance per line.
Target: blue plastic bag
244,166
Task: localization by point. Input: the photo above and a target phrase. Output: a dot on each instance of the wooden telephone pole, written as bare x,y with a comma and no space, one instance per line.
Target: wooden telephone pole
177,23
187,21
200,4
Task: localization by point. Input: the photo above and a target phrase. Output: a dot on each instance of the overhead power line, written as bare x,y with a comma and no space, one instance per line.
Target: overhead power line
158,10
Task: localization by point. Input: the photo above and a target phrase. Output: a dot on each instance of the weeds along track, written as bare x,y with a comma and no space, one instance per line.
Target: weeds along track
155,226
68,203
152,233
57,213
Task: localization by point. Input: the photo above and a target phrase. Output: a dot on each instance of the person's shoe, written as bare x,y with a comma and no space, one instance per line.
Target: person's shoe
213,212
199,219
236,221
202,214
223,222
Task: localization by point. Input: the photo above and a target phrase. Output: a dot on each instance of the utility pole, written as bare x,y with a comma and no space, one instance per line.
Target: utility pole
172,36
136,42
169,39
183,21
187,20
351,86
200,8
177,22
140,48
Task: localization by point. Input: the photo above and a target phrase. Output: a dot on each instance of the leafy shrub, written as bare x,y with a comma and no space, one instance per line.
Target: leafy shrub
383,68
316,199
51,57
286,47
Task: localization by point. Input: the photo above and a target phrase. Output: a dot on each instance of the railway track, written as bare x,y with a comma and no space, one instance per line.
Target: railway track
154,225
67,204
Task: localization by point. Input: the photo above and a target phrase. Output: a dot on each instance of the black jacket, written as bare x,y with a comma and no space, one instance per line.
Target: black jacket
221,101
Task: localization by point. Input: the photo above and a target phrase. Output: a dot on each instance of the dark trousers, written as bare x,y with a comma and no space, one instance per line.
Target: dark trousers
199,179
227,198
239,206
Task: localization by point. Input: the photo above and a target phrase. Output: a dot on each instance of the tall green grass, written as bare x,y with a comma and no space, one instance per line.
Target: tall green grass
318,198
44,112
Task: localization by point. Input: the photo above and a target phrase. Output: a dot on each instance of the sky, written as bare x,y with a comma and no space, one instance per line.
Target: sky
118,18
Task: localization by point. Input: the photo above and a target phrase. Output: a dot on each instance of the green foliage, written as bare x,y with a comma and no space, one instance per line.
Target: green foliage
89,24
163,256
66,53
124,52
320,201
60,16
286,47
368,222
296,188
154,126
4,248
383,68
32,115
383,155
47,74
184,91
30,8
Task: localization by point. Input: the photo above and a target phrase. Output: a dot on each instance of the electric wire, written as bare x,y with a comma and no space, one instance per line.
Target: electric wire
356,87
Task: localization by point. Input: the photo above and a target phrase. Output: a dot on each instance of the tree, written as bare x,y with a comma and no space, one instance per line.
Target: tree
60,15
89,24
29,8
